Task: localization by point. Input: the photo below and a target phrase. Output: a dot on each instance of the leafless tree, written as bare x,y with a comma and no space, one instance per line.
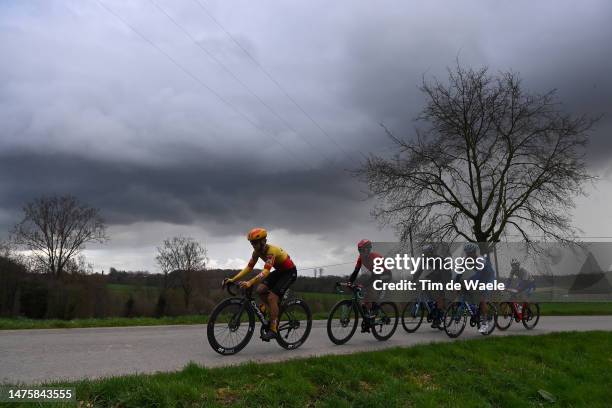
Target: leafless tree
56,229
492,159
183,256
6,249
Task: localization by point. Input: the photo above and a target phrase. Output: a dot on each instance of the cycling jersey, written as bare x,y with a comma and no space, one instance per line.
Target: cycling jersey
486,274
368,263
273,256
521,273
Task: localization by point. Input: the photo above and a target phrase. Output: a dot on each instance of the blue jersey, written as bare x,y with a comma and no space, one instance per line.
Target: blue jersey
486,274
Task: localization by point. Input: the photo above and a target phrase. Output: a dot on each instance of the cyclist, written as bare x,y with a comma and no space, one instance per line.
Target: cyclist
436,274
366,260
525,281
484,275
272,285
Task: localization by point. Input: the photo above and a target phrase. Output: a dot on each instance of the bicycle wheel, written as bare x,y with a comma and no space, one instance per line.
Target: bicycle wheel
412,316
455,319
505,315
531,315
342,321
230,326
385,321
491,319
294,324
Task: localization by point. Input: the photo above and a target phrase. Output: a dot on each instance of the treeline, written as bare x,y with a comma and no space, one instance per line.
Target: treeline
120,293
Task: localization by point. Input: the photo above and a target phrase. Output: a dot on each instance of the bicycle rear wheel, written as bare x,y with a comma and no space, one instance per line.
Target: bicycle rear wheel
531,315
385,322
505,315
455,319
230,326
294,324
342,321
412,316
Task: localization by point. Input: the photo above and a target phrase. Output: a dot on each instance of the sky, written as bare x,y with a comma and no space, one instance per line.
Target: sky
207,118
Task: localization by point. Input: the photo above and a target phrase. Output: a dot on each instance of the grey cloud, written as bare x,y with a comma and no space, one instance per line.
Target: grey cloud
214,191
89,108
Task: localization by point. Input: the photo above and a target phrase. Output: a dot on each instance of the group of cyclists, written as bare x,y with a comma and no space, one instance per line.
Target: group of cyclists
279,273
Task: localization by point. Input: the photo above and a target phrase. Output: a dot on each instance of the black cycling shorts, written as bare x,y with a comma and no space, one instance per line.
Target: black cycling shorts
278,281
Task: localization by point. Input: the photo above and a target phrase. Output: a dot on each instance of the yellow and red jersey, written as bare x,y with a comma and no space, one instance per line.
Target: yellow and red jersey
273,256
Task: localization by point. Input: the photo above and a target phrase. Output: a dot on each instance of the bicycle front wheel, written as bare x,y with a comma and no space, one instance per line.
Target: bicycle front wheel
412,316
342,322
385,321
230,326
455,319
294,324
505,315
531,315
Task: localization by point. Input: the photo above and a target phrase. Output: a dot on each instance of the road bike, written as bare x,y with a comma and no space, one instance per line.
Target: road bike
232,322
526,312
343,319
456,314
414,313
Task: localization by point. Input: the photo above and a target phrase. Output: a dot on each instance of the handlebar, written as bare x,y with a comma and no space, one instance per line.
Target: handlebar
354,287
234,289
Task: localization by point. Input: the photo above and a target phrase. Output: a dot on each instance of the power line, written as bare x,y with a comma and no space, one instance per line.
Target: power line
236,78
271,78
324,266
202,83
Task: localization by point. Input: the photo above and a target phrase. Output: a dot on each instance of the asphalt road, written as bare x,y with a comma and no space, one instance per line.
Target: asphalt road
34,356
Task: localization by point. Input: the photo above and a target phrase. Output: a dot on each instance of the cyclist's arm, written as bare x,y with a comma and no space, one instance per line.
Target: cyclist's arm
355,271
265,272
247,269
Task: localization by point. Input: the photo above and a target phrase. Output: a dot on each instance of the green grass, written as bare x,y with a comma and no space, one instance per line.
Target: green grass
576,368
22,323
546,309
575,308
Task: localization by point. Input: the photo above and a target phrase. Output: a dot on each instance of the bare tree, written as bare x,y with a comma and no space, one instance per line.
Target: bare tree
56,229
184,256
491,160
6,249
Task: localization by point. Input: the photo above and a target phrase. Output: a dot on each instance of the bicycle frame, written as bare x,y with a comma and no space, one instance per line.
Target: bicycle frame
251,303
429,303
357,300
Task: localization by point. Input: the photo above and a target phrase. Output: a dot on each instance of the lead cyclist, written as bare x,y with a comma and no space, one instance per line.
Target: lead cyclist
272,285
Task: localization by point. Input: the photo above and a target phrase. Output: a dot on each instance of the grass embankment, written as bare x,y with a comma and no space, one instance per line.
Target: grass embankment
576,308
575,368
546,309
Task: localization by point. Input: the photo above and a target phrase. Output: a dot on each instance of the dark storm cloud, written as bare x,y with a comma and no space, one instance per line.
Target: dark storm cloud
90,109
208,192
560,47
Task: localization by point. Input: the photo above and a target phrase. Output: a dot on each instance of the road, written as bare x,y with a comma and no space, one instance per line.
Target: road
34,356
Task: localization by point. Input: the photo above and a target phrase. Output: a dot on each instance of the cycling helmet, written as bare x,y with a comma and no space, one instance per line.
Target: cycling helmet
364,244
470,247
256,234
427,249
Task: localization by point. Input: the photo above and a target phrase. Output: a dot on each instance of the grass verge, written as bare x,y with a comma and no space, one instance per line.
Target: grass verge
575,368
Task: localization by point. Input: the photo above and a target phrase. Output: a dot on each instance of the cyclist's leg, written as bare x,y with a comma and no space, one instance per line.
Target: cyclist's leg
273,304
282,281
262,292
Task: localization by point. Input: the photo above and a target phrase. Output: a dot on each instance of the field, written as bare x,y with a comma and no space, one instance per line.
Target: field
571,369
